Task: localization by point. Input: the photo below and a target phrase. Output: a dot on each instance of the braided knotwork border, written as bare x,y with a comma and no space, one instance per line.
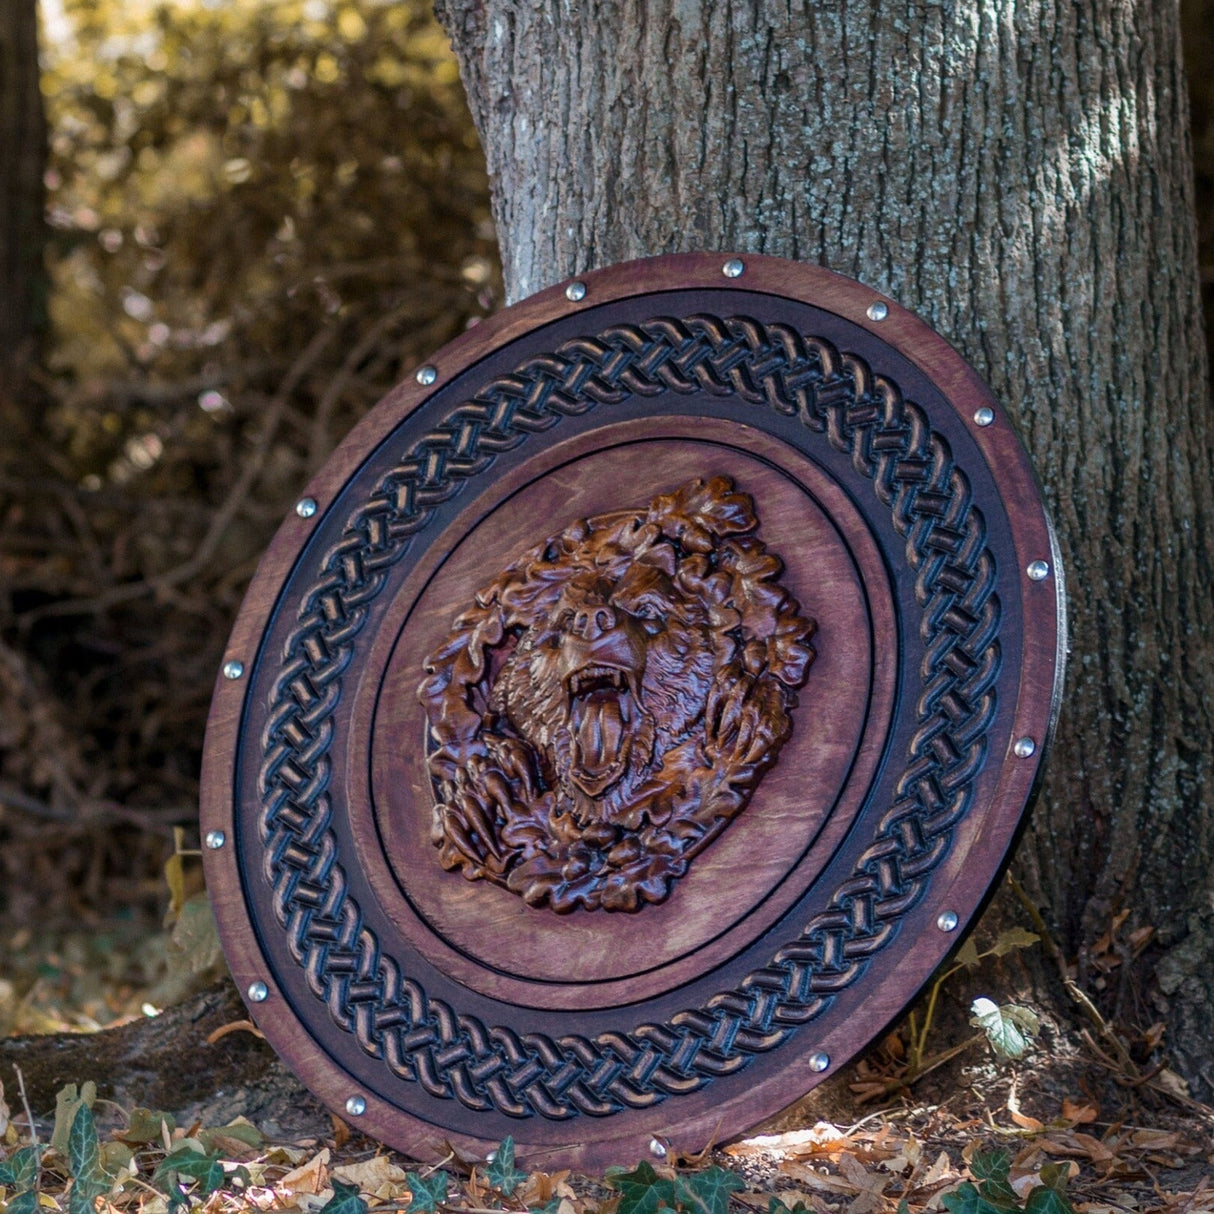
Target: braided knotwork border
492,1068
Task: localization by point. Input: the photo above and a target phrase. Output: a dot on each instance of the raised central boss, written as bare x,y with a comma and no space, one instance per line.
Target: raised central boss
611,699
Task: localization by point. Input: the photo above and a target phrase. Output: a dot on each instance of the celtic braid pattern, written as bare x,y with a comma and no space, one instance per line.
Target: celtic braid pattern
423,1039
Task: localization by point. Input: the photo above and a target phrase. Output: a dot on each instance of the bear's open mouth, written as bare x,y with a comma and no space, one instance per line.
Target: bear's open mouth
602,713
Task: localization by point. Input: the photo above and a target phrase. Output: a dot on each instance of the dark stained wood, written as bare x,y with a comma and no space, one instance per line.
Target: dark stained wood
401,969
605,705
769,856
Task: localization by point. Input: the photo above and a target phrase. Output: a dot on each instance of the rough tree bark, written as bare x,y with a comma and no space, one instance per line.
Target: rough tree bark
1018,172
22,163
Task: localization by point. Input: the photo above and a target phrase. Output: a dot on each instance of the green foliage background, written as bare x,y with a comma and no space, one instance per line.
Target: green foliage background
263,214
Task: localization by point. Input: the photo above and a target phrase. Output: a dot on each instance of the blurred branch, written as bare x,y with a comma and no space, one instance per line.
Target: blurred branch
92,813
223,516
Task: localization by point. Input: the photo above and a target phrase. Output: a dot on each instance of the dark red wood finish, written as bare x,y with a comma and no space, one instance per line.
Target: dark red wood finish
429,1008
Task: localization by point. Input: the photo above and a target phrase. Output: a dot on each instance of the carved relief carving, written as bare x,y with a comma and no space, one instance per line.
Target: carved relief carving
611,700
452,1054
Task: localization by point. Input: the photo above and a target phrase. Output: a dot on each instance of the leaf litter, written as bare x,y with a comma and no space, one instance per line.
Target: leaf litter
1011,1137
904,1160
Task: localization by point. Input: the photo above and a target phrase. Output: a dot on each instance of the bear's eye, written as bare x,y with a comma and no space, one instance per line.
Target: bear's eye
650,614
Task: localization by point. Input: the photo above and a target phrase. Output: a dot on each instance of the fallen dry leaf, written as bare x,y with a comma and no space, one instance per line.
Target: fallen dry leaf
377,1175
1077,1113
1172,1084
869,1186
1155,1140
541,1187
908,1156
791,1198
1024,1121
941,1170
823,1182
821,1139
310,1177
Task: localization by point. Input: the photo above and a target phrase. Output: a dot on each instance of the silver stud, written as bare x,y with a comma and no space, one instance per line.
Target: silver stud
258,992
658,1149
733,267
819,1061
984,416
356,1106
947,921
878,310
1024,748
215,839
233,669
1038,571
305,507
575,292
426,375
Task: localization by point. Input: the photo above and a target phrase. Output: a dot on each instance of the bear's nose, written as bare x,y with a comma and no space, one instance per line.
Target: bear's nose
592,620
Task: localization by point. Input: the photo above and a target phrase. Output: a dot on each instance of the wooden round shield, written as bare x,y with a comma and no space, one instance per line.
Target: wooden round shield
632,713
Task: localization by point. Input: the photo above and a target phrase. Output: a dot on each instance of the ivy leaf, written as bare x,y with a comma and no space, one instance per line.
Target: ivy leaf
500,1171
21,1170
83,1149
345,1200
991,1168
967,1200
1044,1200
1049,1197
710,1190
67,1101
147,1126
991,1165
26,1202
428,1193
1012,939
1055,1176
1010,1029
967,954
642,1191
82,1199
776,1206
207,1170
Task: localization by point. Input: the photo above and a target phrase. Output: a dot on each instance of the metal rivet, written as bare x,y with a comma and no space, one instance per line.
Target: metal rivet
426,375
657,1148
878,310
984,416
1038,571
1024,748
356,1106
575,292
258,992
733,267
233,669
215,839
819,1061
947,921
305,507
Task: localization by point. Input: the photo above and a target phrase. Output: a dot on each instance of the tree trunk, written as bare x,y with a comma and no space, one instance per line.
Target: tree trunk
1018,173
22,163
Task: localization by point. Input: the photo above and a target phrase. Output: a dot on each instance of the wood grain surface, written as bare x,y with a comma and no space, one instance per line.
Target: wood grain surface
906,520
